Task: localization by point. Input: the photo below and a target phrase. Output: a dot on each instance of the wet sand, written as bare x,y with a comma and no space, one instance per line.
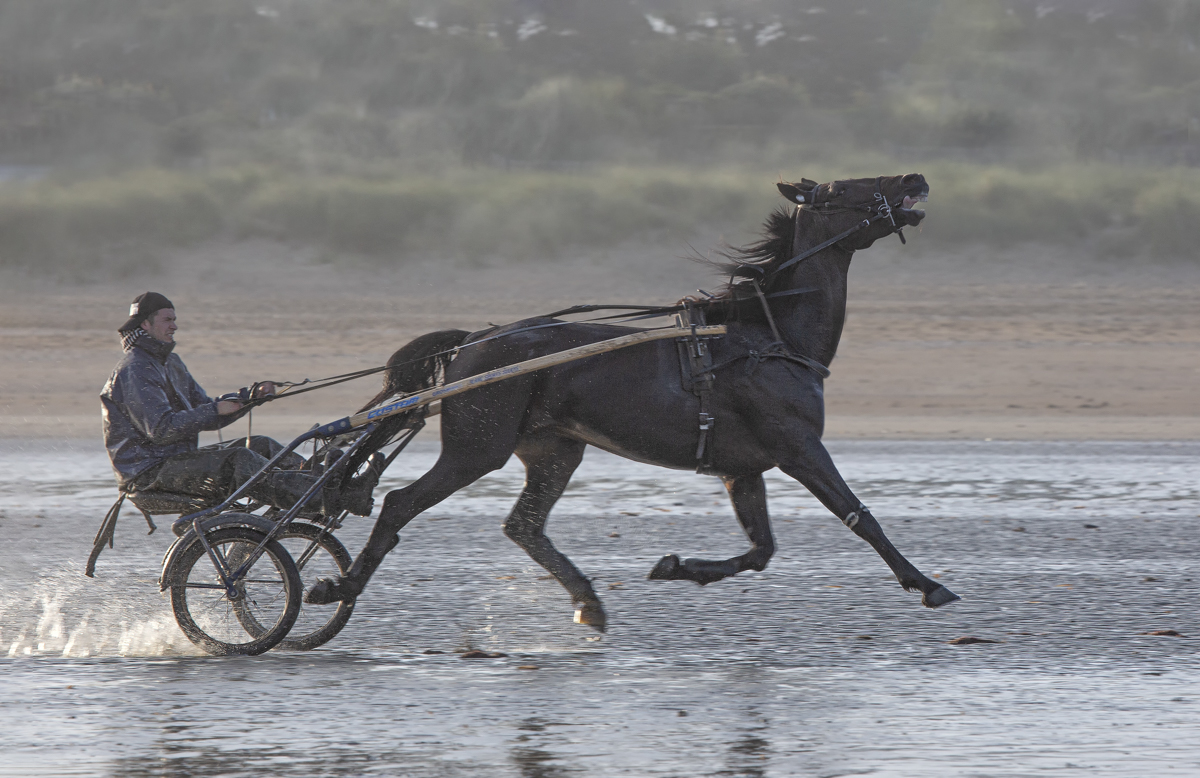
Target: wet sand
1027,343
1065,554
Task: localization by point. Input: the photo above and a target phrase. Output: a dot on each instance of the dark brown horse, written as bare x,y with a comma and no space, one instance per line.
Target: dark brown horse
784,317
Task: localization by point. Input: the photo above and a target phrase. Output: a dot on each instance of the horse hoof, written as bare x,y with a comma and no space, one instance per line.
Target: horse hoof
939,597
591,614
666,569
326,591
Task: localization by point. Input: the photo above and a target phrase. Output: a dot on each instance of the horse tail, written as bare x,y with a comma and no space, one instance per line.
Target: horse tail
416,366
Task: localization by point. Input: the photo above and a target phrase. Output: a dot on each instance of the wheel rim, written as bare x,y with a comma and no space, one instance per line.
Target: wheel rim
315,562
263,593
317,555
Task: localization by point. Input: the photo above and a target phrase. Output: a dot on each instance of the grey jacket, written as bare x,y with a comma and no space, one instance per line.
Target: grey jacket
153,409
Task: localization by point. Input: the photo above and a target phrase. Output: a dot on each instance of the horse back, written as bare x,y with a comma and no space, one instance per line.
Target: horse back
636,402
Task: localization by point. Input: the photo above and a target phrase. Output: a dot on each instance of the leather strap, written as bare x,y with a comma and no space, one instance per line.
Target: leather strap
696,355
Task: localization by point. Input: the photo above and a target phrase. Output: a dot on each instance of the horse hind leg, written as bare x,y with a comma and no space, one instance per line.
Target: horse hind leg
549,464
452,471
478,437
749,497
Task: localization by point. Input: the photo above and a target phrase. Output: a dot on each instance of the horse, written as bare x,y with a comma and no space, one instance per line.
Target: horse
784,307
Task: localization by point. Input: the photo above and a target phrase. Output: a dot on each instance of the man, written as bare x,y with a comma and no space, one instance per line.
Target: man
153,413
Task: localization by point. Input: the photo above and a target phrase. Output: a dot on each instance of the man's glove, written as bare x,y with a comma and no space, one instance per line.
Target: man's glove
241,395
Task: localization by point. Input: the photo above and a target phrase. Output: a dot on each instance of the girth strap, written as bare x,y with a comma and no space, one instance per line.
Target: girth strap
695,368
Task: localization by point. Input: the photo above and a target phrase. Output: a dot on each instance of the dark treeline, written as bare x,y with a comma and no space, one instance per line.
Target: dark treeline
345,85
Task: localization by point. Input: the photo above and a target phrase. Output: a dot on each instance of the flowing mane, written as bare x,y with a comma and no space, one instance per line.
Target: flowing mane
756,261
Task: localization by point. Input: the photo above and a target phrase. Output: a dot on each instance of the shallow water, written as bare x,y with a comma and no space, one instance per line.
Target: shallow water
821,665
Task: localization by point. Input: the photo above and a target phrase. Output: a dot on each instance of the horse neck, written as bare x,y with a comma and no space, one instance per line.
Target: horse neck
811,323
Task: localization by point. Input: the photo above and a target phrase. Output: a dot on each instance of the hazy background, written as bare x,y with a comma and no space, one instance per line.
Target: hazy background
316,182
390,129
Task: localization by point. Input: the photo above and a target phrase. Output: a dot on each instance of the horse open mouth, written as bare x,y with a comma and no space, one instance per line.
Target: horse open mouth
912,217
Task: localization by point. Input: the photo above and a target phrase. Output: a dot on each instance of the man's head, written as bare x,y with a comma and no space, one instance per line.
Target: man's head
161,325
153,313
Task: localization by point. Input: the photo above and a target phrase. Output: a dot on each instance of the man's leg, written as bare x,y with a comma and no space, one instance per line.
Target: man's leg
267,448
213,474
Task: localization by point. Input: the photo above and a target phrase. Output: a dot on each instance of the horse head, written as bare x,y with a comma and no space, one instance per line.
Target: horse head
885,203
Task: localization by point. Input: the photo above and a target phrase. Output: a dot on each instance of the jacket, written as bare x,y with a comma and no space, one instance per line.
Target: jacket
153,409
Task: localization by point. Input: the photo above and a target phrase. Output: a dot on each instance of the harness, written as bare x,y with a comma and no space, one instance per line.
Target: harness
695,355
696,373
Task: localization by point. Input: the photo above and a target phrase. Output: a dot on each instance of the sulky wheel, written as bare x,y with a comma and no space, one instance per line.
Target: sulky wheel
318,554
210,618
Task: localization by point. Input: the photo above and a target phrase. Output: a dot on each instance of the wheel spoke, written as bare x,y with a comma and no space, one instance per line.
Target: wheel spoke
271,591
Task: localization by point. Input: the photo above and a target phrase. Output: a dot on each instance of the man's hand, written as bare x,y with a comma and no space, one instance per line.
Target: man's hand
233,402
264,389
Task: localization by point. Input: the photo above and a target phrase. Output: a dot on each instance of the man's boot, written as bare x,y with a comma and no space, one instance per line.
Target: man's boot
331,497
357,497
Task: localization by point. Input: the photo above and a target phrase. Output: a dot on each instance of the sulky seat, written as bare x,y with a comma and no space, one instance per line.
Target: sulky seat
150,503
157,503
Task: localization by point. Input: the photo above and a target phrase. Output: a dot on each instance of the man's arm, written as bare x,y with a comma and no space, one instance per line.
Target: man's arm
146,401
229,410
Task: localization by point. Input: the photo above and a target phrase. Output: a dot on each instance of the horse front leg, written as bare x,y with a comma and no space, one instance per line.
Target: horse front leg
749,497
814,468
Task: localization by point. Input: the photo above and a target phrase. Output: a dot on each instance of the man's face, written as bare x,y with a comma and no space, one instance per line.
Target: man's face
161,325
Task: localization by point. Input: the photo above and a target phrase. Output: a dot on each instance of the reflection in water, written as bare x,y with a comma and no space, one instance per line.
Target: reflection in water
748,757
535,763
531,759
188,759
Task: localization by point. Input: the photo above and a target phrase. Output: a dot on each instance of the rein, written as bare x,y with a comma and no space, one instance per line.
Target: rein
634,313
822,246
245,396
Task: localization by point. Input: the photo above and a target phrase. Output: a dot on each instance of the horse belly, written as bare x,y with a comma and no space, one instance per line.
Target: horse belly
636,409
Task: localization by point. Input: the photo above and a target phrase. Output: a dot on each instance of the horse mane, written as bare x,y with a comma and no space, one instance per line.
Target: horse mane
758,260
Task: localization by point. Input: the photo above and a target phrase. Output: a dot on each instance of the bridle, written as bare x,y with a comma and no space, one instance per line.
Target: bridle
879,210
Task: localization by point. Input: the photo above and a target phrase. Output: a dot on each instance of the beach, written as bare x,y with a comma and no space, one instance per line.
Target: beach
1026,343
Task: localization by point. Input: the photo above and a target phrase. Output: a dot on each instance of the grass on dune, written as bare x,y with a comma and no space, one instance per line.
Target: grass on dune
61,225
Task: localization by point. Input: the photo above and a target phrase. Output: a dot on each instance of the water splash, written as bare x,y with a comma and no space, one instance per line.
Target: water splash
64,614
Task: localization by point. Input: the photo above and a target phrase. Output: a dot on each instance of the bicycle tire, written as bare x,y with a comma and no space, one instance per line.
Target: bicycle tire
203,609
318,554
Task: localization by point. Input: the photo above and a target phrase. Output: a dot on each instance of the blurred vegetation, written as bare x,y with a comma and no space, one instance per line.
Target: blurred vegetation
530,127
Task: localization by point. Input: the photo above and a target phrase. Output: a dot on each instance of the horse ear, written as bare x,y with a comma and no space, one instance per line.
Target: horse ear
792,193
